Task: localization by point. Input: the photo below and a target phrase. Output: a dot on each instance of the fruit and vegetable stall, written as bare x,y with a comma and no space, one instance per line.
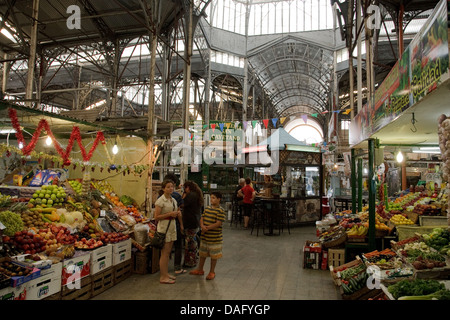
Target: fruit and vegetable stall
70,240
417,268
416,258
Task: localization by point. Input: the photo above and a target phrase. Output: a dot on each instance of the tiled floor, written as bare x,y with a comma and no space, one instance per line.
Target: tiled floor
253,268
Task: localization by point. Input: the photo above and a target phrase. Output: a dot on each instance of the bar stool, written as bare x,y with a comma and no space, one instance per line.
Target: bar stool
236,214
259,217
287,213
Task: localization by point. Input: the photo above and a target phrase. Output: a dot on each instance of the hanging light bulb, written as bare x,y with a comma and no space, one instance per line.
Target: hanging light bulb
48,141
115,149
20,145
399,157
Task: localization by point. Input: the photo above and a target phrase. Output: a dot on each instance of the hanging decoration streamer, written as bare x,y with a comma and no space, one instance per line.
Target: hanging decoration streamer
43,125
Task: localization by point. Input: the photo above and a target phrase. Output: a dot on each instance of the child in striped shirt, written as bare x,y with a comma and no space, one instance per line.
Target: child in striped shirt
211,238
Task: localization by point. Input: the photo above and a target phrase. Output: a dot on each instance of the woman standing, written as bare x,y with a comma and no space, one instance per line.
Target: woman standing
166,210
248,193
193,203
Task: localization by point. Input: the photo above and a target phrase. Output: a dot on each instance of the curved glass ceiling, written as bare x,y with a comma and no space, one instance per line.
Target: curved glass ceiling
270,17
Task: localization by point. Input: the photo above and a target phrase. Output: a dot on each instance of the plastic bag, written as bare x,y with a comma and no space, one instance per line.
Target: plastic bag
141,233
38,178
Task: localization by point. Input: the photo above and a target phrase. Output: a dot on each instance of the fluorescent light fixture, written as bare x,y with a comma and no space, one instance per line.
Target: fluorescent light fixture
7,130
430,148
427,150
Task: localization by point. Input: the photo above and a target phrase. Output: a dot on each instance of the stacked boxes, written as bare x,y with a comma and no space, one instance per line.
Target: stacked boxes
101,259
48,284
86,274
121,252
312,255
76,268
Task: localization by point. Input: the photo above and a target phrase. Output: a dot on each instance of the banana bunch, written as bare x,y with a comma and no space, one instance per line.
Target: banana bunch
357,231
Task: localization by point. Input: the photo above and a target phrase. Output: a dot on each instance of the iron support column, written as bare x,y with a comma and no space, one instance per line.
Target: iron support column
353,180
372,194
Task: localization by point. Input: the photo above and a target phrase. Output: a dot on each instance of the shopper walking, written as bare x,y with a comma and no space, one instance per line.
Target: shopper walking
248,193
193,203
211,238
166,212
178,244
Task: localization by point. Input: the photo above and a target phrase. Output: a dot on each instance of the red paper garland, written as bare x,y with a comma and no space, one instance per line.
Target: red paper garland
43,124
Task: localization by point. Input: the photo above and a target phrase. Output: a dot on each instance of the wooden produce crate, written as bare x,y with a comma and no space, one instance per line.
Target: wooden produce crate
82,293
122,271
102,281
372,294
413,216
56,296
141,263
358,295
336,257
438,221
334,271
435,273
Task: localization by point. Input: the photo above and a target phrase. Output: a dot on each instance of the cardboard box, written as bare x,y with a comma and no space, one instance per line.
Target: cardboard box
16,293
46,285
18,281
121,251
101,259
77,267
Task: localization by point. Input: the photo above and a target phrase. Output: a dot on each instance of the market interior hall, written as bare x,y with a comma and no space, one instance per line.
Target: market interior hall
300,150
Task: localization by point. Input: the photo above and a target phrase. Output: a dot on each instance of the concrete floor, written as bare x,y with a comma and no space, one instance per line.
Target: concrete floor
252,268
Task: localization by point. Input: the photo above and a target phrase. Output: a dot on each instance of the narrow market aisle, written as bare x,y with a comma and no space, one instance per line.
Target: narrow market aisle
253,268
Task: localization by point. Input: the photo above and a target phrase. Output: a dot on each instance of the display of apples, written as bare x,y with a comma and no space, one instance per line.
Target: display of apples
50,238
113,237
63,235
88,244
29,242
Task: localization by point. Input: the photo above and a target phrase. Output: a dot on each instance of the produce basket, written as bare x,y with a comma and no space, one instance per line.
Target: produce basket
333,237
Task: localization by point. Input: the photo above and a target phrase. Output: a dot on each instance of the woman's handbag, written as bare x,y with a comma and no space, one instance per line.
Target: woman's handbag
159,239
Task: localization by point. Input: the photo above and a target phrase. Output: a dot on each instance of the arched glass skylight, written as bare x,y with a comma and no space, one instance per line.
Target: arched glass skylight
309,132
269,17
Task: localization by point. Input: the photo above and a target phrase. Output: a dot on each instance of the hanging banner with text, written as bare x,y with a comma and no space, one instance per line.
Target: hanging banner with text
423,66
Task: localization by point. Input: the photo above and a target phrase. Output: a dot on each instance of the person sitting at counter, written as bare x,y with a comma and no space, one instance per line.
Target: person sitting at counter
248,193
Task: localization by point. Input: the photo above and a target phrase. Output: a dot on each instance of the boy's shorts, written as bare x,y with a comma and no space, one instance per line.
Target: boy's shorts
212,250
